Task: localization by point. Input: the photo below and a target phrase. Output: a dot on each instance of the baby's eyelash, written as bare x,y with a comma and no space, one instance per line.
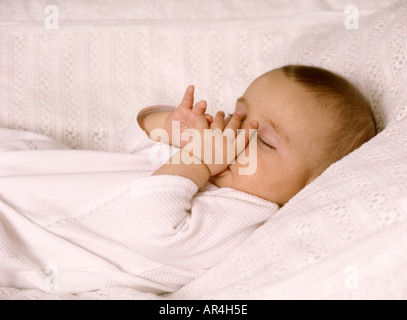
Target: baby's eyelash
264,143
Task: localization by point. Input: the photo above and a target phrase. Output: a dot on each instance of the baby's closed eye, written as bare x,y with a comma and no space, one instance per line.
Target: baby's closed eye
264,143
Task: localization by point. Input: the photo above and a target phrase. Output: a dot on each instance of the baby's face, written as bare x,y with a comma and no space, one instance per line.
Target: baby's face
289,137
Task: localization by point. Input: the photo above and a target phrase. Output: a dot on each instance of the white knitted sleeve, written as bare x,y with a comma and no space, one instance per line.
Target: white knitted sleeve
169,222
135,138
159,209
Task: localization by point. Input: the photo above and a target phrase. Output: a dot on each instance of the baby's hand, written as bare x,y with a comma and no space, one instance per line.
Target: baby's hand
218,144
186,114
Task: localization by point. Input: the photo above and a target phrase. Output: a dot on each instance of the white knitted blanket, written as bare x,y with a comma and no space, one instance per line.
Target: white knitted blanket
343,236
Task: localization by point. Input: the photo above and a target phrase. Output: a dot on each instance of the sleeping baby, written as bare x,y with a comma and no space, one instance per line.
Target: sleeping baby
159,215
307,118
191,214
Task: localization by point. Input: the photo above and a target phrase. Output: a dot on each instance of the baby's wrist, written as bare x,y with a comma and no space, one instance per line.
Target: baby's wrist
153,120
198,170
188,157
186,165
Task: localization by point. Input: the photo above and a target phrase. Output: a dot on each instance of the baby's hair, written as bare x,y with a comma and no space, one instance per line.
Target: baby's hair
352,112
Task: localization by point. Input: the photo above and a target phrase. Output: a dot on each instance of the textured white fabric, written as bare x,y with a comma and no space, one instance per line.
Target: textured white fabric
79,84
344,236
99,219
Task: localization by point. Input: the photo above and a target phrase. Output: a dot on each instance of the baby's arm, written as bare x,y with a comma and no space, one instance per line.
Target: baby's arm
154,120
161,221
167,223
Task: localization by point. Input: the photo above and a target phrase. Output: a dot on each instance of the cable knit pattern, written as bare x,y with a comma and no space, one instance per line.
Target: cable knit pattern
343,236
79,84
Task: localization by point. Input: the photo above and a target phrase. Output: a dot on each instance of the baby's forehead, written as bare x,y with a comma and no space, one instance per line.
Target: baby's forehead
292,122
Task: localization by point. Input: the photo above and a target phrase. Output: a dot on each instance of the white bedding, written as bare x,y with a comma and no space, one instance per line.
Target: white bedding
344,236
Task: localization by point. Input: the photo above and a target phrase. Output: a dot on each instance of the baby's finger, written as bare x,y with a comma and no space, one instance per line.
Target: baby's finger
235,122
188,99
228,119
244,136
201,123
199,108
219,121
209,118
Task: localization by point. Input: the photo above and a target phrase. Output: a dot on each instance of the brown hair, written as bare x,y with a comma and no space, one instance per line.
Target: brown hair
351,110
